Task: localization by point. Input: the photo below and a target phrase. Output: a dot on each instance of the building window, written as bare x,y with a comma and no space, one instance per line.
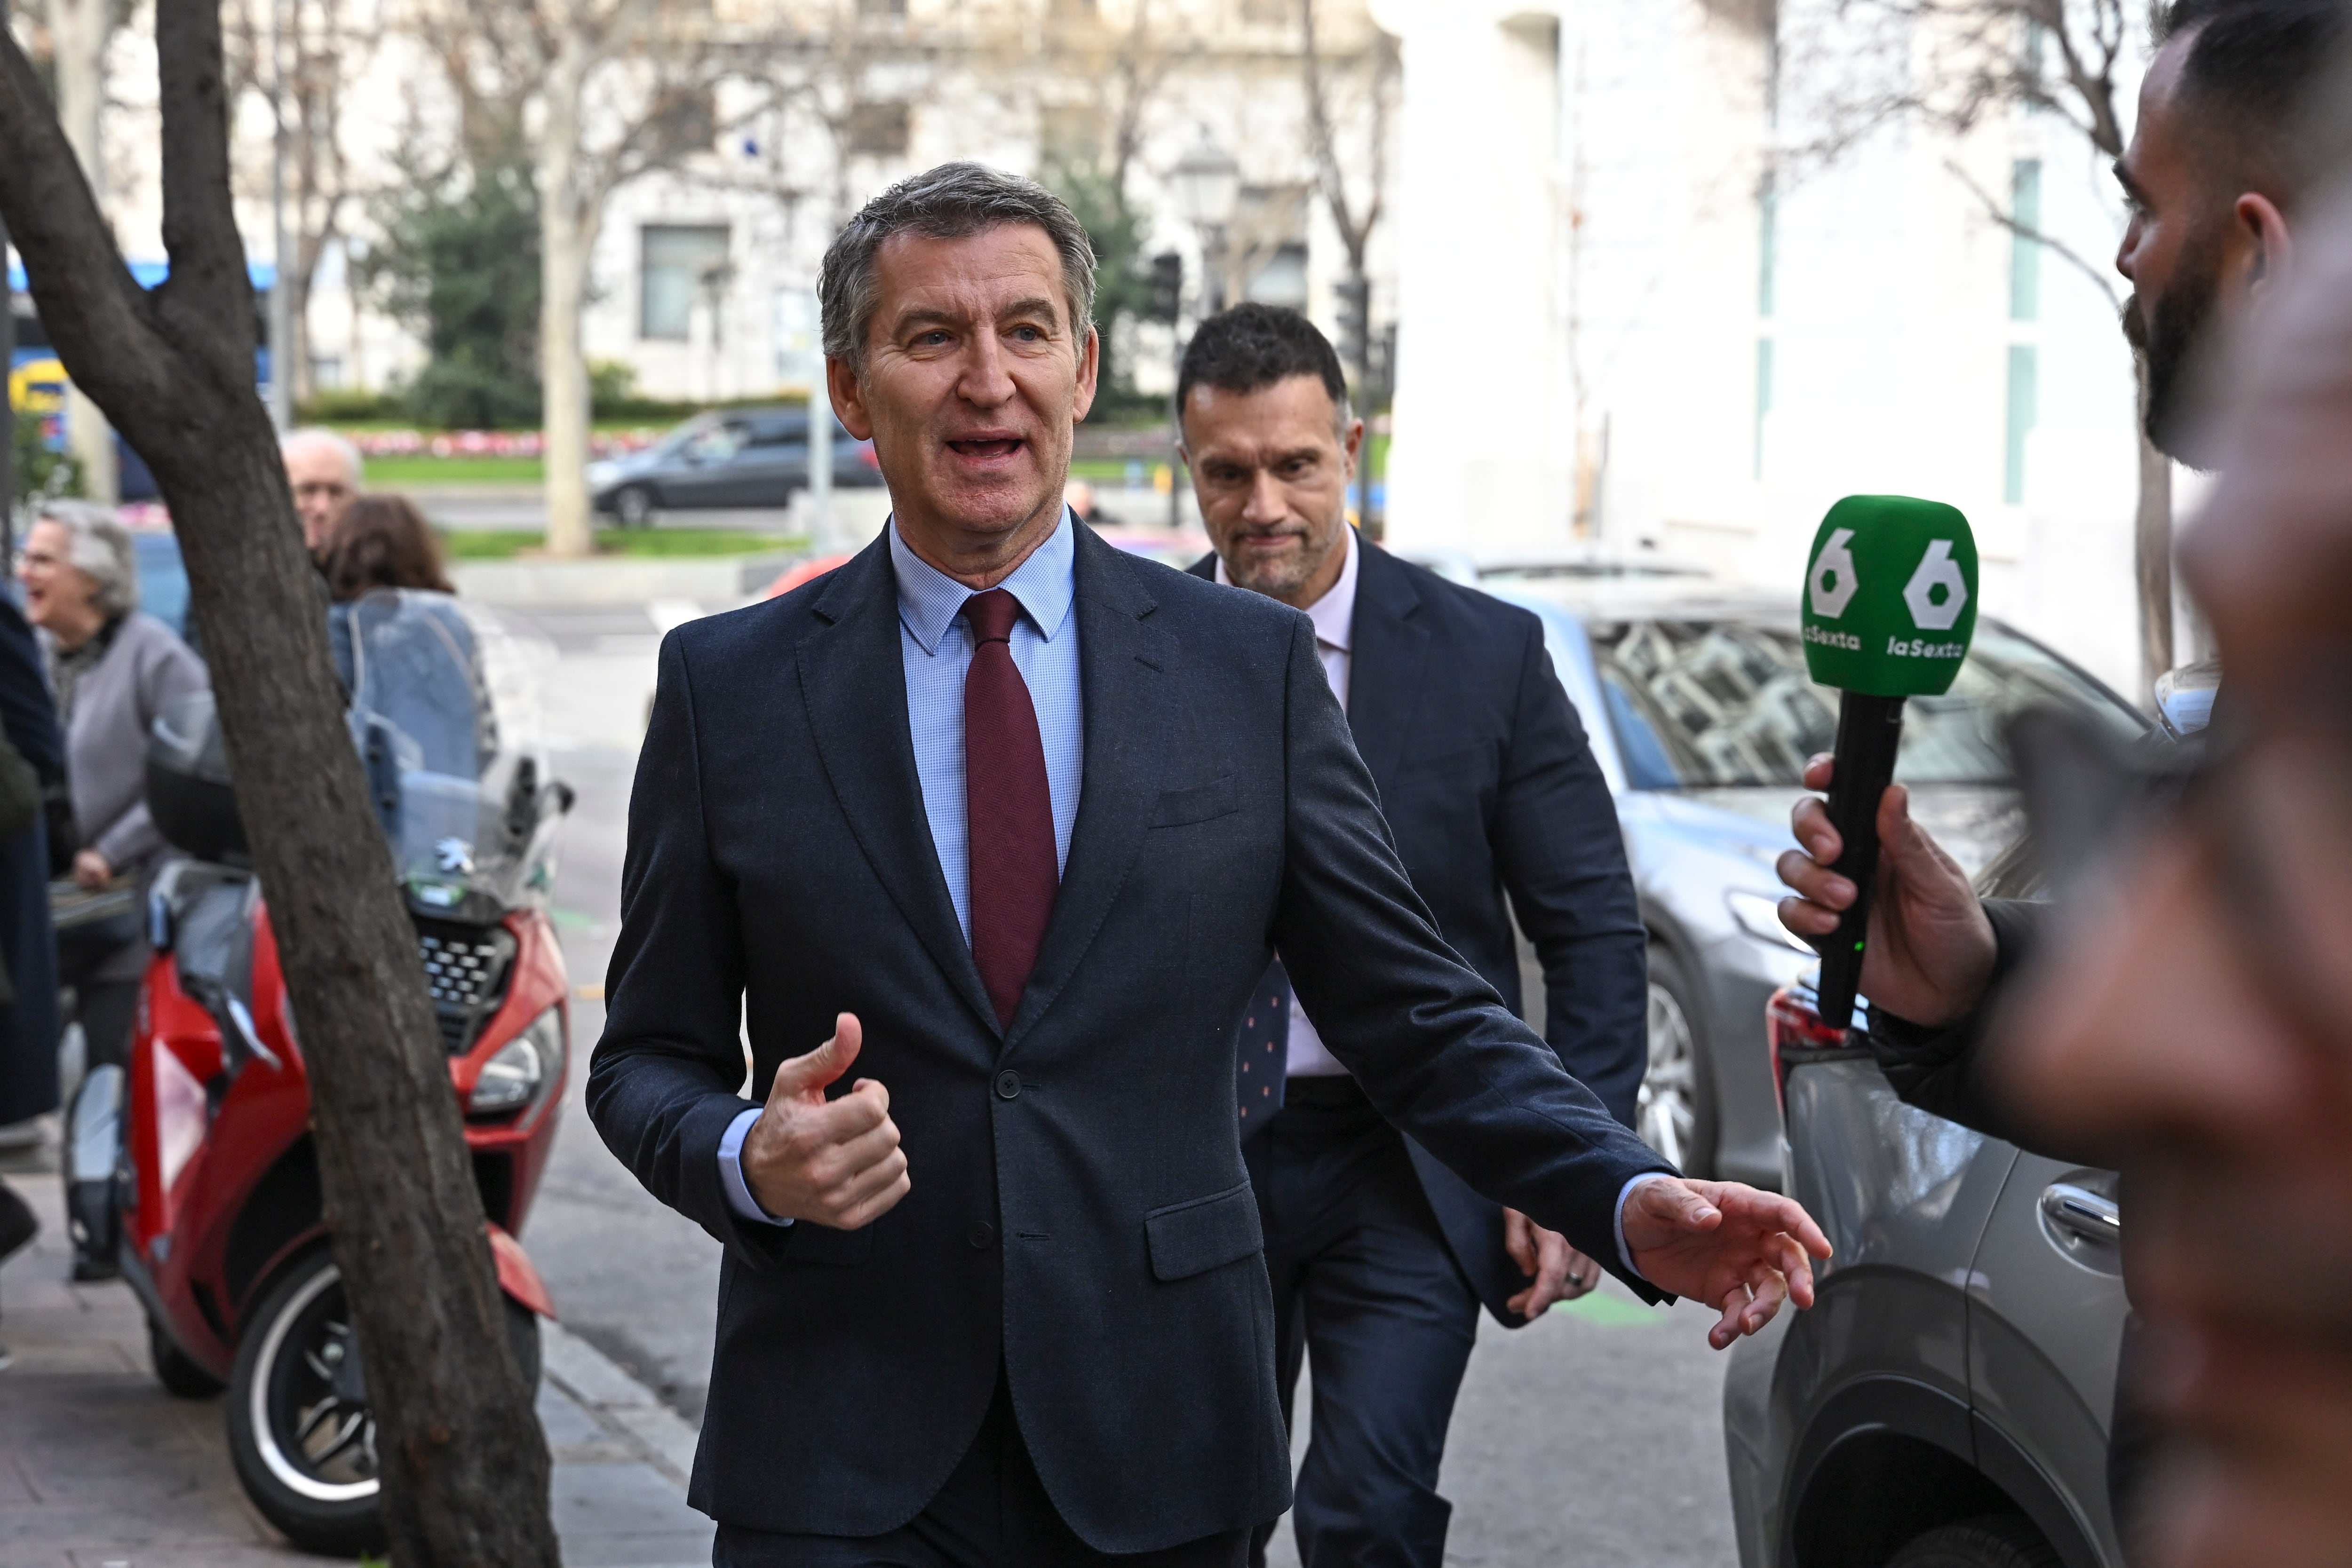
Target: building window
1768,243
879,129
2024,397
895,10
2024,251
675,261
1282,280
1763,397
1269,13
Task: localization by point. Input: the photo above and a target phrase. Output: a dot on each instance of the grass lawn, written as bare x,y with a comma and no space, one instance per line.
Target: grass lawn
506,544
403,473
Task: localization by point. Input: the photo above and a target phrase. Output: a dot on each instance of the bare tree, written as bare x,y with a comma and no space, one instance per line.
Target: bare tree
1950,65
1369,75
620,88
463,1463
80,32
302,55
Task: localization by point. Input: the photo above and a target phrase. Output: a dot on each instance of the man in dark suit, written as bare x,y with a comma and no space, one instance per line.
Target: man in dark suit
1378,1255
1014,820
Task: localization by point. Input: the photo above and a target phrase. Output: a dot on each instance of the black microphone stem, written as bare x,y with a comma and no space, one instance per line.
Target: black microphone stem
1869,731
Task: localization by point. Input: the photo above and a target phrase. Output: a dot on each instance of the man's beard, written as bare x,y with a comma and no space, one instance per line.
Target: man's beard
2169,336
1282,577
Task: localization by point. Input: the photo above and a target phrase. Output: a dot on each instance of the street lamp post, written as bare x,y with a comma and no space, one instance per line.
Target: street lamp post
1208,187
281,300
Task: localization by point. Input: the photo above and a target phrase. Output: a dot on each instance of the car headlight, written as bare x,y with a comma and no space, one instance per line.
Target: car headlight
601,473
524,1072
1760,918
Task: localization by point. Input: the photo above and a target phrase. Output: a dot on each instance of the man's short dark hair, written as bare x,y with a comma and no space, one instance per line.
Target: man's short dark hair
950,202
2251,70
1253,346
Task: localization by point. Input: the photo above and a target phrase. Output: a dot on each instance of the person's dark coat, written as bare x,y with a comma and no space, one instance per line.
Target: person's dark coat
29,1024
1080,1217
1497,807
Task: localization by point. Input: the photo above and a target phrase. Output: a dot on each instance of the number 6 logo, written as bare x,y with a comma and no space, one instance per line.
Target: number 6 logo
1936,569
1833,582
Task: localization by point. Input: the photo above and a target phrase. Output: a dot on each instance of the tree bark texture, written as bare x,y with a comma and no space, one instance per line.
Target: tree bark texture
566,230
2152,552
464,1462
79,31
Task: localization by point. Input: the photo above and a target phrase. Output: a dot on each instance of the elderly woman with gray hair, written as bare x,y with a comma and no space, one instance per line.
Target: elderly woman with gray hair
113,670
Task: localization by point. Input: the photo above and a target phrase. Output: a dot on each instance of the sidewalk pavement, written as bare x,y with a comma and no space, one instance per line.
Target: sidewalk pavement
99,1467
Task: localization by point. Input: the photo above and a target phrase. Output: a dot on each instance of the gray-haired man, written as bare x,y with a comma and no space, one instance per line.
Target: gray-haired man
324,471
1012,820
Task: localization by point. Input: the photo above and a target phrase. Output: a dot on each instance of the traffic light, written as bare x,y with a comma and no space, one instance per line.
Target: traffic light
1167,286
1356,326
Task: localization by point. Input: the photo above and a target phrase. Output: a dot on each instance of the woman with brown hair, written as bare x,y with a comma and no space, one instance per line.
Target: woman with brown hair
382,541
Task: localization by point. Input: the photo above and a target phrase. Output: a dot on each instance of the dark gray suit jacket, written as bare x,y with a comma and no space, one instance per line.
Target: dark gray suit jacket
1080,1217
1497,805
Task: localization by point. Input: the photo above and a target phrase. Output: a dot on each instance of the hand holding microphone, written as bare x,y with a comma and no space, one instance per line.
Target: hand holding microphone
1889,610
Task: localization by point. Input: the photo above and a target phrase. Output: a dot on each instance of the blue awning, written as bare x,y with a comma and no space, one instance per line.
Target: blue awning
148,274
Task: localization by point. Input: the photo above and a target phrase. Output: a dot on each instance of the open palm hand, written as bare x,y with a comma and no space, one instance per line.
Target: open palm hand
1738,1249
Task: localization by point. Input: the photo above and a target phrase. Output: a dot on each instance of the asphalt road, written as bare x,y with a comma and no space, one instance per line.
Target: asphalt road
1593,1438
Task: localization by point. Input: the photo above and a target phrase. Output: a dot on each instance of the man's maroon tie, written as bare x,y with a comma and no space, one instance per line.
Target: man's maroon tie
1008,810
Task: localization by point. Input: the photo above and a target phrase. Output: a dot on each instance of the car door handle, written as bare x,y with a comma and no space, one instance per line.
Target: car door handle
2079,1211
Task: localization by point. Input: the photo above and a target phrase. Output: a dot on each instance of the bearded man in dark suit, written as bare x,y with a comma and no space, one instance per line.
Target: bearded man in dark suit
1378,1255
1013,821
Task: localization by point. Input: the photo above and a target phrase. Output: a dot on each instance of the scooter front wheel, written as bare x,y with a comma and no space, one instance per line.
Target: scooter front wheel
301,1432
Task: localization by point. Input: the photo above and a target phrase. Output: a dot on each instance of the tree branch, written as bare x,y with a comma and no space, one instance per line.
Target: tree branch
2008,220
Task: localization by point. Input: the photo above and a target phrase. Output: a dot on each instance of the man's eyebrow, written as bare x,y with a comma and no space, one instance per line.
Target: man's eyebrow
1036,305
2123,178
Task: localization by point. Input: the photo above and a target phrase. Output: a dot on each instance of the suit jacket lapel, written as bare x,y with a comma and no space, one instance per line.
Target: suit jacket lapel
1384,666
1123,665
854,683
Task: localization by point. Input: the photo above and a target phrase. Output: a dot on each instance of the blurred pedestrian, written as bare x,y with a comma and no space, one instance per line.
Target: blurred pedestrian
1379,1256
324,471
113,670
2196,1025
382,541
34,759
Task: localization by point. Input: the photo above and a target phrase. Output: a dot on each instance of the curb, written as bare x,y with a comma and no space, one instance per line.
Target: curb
712,579
624,1406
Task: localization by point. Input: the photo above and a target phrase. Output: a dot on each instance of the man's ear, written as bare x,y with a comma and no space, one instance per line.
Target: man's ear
1354,443
848,399
1089,365
2265,230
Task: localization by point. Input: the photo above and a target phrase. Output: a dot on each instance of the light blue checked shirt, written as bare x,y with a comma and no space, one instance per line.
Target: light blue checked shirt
935,650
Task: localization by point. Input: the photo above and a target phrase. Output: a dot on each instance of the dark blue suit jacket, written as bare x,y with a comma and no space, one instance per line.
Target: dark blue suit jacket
1080,1214
1496,806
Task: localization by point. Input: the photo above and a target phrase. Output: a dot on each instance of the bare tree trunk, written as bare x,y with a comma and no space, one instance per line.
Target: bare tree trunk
2152,550
565,234
79,31
464,1462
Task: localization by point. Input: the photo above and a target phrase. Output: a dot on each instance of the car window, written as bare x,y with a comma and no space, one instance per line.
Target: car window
163,580
1726,703
716,444
780,430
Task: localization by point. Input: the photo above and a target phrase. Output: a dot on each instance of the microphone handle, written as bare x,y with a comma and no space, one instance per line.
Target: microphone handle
1869,731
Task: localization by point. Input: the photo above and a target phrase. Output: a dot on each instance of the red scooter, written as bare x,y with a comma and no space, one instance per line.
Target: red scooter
200,1162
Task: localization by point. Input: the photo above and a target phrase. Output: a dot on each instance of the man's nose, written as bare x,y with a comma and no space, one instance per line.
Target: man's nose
1265,503
987,379
2127,247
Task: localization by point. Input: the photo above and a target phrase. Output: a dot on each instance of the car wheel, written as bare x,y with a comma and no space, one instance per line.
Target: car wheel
176,1369
1676,1113
634,504
1996,1541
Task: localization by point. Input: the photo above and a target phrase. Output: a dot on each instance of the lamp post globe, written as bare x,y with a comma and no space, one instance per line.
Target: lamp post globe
1208,188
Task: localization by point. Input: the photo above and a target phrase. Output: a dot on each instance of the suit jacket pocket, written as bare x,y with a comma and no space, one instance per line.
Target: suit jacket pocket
809,1242
1198,804
1203,1233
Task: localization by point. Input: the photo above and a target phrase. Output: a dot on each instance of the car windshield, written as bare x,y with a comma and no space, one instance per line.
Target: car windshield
1725,704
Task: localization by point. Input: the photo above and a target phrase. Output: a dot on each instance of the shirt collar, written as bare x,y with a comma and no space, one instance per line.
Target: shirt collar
930,599
1334,614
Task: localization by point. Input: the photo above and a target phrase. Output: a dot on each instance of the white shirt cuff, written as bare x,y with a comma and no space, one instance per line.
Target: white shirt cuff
1623,1252
746,1207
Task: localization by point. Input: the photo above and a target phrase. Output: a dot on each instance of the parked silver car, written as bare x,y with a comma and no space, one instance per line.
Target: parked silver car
1946,1402
1701,718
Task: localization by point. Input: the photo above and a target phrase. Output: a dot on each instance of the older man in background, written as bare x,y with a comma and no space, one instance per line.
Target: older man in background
324,470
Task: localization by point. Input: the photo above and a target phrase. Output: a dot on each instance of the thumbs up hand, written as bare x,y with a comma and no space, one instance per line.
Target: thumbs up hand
831,1162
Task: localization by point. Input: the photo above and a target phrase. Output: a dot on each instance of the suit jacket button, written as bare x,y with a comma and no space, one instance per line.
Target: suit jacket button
982,1236
1008,1087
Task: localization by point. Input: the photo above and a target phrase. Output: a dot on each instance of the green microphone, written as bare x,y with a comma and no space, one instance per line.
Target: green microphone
1890,605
